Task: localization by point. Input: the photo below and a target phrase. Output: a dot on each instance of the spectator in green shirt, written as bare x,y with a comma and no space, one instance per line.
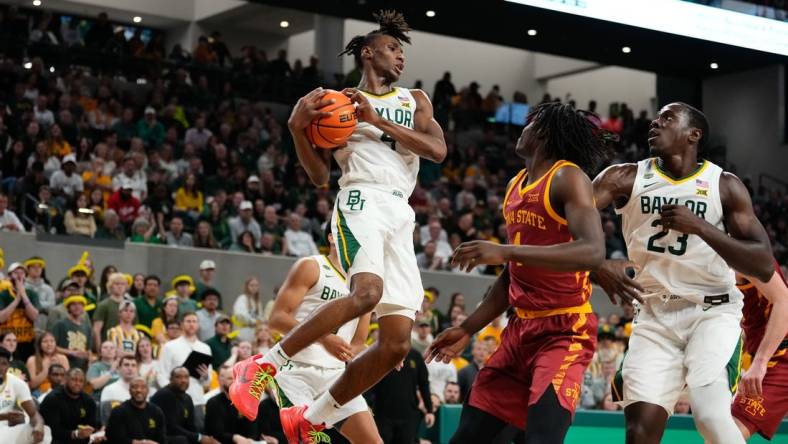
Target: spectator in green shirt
220,344
149,303
150,130
107,311
183,287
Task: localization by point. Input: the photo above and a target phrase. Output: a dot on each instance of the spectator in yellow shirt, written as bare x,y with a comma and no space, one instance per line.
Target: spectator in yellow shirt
188,198
58,146
94,178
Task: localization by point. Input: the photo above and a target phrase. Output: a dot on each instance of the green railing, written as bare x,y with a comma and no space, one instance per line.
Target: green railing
594,426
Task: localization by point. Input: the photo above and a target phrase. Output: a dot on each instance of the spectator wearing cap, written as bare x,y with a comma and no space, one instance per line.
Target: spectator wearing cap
421,337
36,279
183,287
220,344
16,395
209,313
69,287
73,334
19,309
245,222
176,237
150,130
124,204
253,190
117,392
174,354
8,219
80,273
70,412
107,314
206,281
298,243
125,335
137,421
65,183
149,302
131,176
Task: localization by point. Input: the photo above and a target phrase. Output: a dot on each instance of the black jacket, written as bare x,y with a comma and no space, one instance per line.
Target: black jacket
127,422
63,414
178,411
222,421
394,396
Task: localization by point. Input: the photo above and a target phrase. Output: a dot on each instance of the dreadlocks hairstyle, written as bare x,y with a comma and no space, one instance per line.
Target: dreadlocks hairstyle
392,23
570,134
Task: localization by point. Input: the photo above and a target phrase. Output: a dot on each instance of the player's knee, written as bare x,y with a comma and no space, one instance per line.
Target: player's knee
366,298
395,349
639,432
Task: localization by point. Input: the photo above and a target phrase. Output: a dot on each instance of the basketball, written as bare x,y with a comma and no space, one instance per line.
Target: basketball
334,130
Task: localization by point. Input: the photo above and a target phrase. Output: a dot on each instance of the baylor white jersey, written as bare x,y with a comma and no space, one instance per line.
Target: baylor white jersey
676,263
331,285
372,157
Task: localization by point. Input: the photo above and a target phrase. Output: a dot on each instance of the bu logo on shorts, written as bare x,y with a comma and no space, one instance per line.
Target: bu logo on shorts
354,200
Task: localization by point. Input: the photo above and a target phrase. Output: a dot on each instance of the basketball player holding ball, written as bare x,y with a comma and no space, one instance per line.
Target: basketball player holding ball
372,224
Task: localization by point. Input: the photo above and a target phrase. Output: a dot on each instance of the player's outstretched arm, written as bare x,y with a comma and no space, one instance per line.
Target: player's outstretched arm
745,246
452,341
776,291
316,163
425,140
301,277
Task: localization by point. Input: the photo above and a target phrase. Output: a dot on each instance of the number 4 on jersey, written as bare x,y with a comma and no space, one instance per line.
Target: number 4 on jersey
385,138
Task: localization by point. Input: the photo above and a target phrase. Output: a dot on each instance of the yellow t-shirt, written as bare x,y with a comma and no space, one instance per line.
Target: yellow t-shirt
59,149
187,201
102,181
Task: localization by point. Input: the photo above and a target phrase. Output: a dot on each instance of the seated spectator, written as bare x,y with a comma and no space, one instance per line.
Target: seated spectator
46,355
263,339
74,334
189,198
240,352
246,243
19,309
18,368
107,314
247,309
111,229
176,237
223,420
70,412
244,222
137,421
105,370
65,183
203,236
16,396
8,219
209,313
117,392
683,405
150,130
125,205
144,231
440,375
174,353
179,410
146,363
168,313
451,394
125,334
220,344
79,218
56,375
467,375
297,242
69,287
428,259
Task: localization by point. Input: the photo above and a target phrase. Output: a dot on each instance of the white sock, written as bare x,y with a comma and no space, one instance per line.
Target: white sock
322,410
275,356
711,408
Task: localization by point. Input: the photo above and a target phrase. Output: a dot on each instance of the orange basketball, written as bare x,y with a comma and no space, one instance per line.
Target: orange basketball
333,131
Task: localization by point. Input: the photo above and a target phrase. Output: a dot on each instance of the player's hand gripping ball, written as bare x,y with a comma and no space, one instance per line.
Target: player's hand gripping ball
332,131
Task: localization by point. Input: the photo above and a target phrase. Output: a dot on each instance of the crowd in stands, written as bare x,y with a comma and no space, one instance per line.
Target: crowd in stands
188,158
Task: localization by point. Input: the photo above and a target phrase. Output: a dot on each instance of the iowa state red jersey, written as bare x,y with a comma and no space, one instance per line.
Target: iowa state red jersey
756,313
531,220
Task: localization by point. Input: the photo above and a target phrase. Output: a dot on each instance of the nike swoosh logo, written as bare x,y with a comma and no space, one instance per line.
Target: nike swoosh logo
706,308
649,184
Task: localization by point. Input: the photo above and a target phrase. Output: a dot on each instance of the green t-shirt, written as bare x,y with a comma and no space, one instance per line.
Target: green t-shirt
107,312
97,369
71,336
186,306
146,312
220,351
18,322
